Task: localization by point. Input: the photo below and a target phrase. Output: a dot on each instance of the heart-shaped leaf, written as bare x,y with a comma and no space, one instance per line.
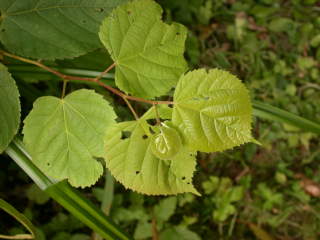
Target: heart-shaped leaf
148,52
212,110
64,136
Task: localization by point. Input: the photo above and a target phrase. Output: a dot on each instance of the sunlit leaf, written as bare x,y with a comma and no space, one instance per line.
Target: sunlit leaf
64,136
212,110
148,52
131,161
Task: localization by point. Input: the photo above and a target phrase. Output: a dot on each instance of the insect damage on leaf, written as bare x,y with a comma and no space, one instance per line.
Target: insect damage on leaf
133,162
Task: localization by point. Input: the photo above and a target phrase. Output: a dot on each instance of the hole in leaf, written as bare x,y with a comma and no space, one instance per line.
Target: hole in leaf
137,172
144,136
170,105
3,30
100,9
129,12
152,122
183,178
48,164
151,130
188,182
125,134
99,159
177,33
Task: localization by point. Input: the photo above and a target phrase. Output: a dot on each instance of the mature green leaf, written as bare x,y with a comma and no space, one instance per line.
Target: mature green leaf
178,232
143,230
148,53
9,108
166,143
52,29
212,110
131,161
64,136
165,209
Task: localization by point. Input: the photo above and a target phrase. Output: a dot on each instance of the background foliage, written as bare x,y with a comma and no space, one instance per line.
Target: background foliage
251,192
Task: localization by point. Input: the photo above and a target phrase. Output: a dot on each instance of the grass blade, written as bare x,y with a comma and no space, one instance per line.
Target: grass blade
266,111
68,197
20,218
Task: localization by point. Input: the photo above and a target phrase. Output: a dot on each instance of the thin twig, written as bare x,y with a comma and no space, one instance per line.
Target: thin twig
68,77
64,88
39,64
157,114
131,108
97,79
155,234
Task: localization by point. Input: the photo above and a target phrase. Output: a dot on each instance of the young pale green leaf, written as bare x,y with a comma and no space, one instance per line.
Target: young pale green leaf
212,110
9,108
131,161
148,52
52,29
166,143
64,136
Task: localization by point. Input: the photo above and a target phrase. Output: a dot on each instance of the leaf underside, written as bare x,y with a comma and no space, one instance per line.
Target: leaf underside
52,29
148,52
131,161
64,136
9,108
212,110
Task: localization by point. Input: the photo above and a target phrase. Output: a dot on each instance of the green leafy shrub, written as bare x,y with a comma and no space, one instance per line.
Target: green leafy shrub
65,136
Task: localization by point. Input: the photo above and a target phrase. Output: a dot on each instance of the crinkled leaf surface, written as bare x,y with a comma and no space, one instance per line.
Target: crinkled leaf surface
131,161
52,29
9,108
212,110
64,136
166,143
148,52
